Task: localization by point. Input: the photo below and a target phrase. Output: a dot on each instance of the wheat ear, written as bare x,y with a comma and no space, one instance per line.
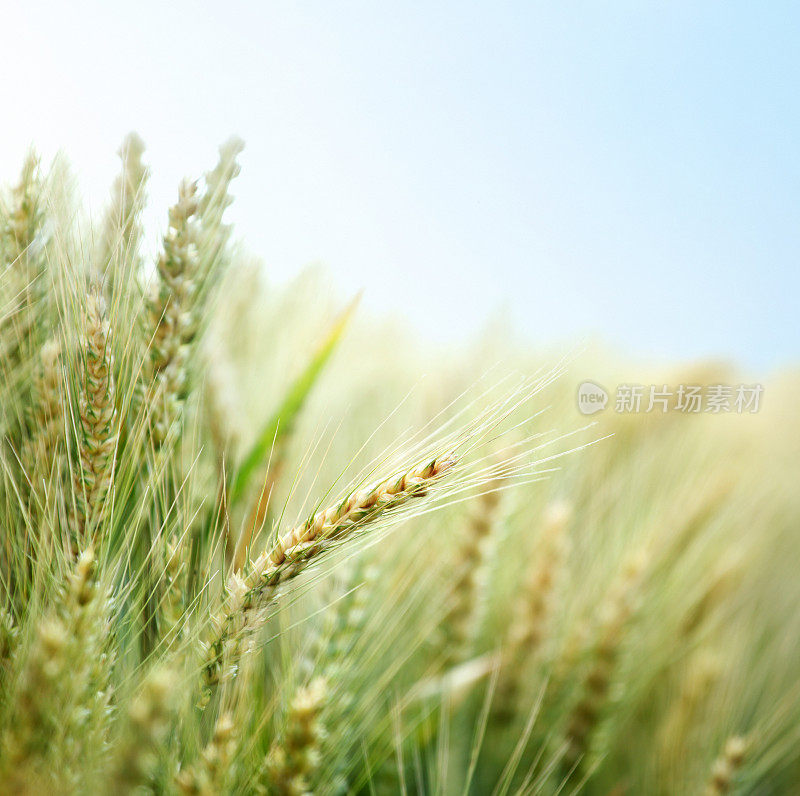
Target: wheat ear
98,422
294,756
20,248
25,739
292,552
532,610
8,640
215,200
170,314
221,402
24,214
460,622
146,725
347,623
615,614
679,726
63,668
222,408
122,231
173,603
207,776
42,457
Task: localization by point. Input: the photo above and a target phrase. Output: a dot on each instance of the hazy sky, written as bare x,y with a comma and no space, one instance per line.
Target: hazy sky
627,169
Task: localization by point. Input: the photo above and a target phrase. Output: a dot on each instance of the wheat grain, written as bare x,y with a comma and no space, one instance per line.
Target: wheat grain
726,766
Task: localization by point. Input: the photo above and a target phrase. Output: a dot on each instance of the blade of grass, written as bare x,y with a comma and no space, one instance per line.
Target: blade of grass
266,455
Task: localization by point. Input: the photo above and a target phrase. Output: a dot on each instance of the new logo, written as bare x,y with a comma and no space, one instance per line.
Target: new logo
591,398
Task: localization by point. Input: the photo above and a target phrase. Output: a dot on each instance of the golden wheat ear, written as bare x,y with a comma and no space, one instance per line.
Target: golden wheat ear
249,595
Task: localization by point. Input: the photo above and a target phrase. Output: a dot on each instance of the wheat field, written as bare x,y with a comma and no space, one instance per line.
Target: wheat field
256,541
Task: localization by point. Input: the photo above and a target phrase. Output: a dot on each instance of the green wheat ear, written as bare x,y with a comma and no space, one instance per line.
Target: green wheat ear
294,757
98,432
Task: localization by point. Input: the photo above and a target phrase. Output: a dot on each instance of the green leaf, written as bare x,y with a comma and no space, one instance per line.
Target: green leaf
280,426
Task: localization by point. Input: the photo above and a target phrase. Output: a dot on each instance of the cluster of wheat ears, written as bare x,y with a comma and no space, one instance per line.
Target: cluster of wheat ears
220,571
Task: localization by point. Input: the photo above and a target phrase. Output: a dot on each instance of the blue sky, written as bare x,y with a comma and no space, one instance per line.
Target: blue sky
626,170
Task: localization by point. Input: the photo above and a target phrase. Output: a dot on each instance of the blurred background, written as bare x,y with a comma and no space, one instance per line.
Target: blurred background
509,181
626,172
